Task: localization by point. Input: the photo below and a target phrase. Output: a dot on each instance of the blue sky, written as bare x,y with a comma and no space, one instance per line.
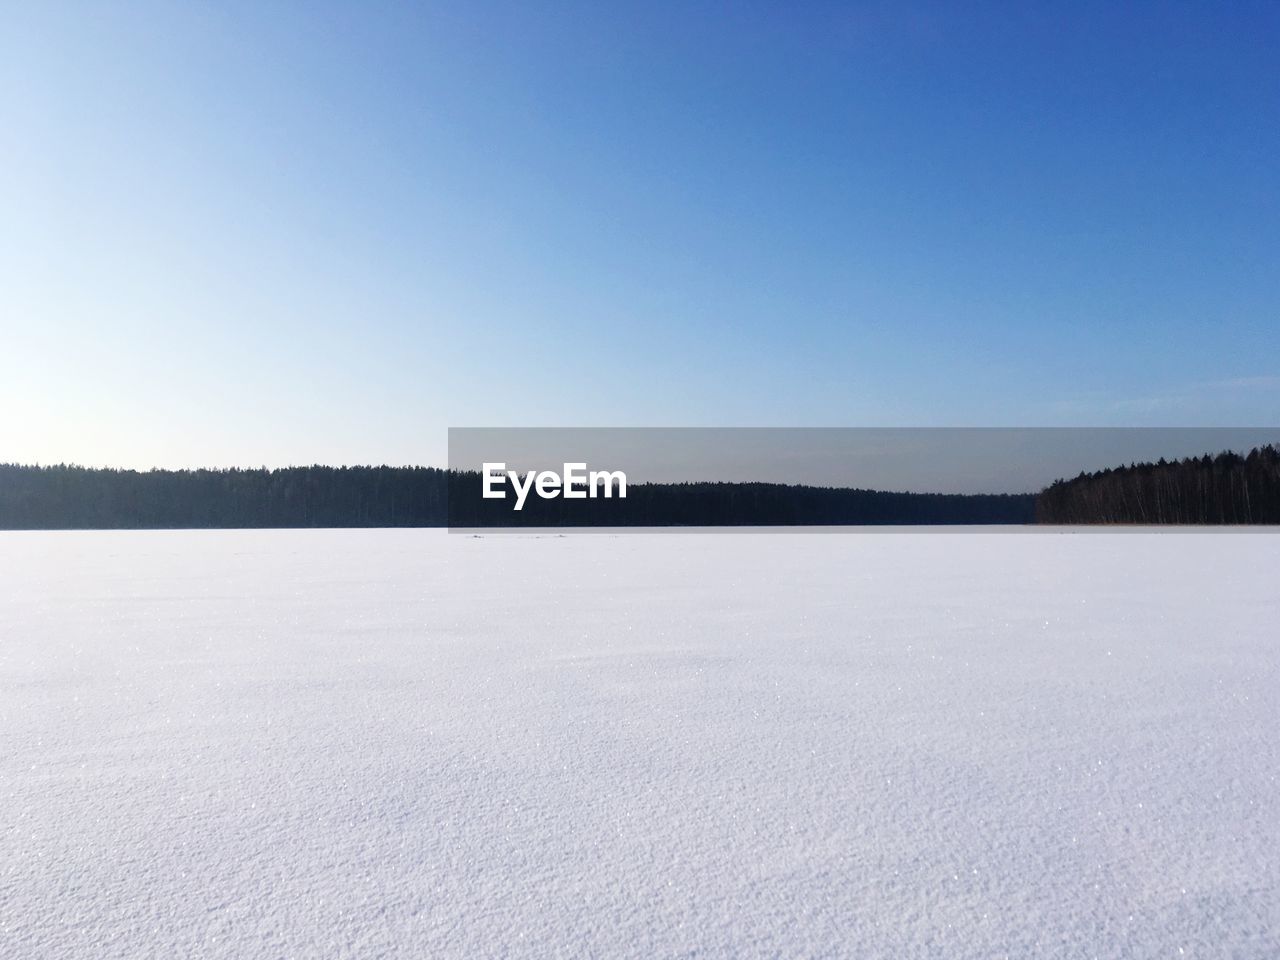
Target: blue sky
273,233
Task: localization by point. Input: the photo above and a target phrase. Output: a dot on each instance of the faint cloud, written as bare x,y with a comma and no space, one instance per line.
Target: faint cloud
1194,398
1245,383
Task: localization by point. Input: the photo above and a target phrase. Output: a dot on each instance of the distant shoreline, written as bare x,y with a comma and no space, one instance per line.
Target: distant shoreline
1226,490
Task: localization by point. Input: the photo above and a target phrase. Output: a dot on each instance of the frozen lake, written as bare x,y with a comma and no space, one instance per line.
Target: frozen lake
405,743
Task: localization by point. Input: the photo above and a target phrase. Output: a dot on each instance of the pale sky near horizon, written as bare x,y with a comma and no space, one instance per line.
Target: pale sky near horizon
252,234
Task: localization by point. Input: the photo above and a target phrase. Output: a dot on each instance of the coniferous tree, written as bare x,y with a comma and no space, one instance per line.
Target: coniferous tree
1223,489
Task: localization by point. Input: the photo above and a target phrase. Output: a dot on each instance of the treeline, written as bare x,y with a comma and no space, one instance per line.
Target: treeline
1229,488
72,497
737,504
1225,489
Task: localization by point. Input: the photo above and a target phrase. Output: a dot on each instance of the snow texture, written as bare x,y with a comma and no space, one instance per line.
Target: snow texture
270,744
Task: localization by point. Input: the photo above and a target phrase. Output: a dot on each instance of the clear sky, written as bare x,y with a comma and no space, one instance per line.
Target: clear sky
266,233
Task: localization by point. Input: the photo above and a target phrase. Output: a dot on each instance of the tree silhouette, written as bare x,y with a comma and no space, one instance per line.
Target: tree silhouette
1223,489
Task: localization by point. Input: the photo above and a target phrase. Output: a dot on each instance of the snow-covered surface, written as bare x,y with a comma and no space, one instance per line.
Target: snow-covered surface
413,744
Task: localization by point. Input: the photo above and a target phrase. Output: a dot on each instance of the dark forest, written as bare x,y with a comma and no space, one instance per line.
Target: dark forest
72,497
1229,488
